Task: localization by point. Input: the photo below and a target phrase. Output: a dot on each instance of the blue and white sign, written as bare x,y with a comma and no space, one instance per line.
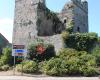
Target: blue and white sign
19,50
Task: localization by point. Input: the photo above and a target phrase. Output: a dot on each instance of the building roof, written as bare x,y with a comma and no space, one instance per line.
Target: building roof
3,41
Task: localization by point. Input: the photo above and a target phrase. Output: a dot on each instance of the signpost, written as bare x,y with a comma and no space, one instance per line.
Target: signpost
19,51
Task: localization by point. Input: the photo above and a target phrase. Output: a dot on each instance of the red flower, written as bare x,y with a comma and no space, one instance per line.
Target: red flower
40,49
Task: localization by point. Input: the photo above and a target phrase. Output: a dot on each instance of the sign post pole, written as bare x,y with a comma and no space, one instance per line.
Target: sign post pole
14,65
22,66
18,50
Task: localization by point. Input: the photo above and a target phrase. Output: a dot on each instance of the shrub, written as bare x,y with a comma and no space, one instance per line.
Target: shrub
72,60
65,35
69,27
96,53
67,53
41,51
88,65
55,67
41,66
73,66
78,61
82,56
28,67
99,40
5,67
88,70
81,41
6,58
88,59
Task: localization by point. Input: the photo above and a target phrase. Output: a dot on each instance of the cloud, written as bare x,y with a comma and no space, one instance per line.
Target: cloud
6,21
6,28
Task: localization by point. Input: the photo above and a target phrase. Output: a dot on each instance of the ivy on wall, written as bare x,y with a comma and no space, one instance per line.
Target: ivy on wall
50,16
80,41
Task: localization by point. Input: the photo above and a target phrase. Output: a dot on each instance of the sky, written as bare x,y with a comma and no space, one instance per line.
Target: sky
7,15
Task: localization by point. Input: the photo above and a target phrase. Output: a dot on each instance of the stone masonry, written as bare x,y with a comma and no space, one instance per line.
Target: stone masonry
33,19
76,11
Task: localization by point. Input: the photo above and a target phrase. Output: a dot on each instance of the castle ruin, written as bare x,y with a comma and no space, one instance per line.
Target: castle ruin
33,19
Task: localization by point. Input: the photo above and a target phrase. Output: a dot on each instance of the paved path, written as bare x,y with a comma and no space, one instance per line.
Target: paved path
46,78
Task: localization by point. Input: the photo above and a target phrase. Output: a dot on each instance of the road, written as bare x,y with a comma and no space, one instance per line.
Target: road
46,78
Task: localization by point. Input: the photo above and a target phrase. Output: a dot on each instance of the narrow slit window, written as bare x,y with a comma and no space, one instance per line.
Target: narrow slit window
65,20
78,29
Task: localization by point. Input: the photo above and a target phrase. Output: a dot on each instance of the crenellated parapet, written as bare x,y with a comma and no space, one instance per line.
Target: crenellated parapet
83,4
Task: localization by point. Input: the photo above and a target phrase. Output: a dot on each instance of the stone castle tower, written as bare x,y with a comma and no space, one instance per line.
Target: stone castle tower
33,19
76,11
25,20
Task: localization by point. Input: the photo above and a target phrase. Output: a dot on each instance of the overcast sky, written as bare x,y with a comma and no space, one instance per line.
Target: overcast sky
7,15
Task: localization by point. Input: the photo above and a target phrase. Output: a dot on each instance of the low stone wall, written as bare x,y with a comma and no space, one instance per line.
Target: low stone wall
56,40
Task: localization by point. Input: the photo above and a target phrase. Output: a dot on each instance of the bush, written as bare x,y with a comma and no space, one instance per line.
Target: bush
41,66
5,67
67,53
6,58
88,70
78,61
99,40
81,41
55,67
82,56
70,26
28,67
41,51
88,59
73,66
96,53
65,35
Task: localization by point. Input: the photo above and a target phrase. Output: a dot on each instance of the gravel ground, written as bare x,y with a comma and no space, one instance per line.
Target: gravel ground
9,75
46,78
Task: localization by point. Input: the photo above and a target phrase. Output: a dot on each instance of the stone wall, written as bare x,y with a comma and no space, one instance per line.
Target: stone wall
44,25
55,40
33,19
24,21
76,11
